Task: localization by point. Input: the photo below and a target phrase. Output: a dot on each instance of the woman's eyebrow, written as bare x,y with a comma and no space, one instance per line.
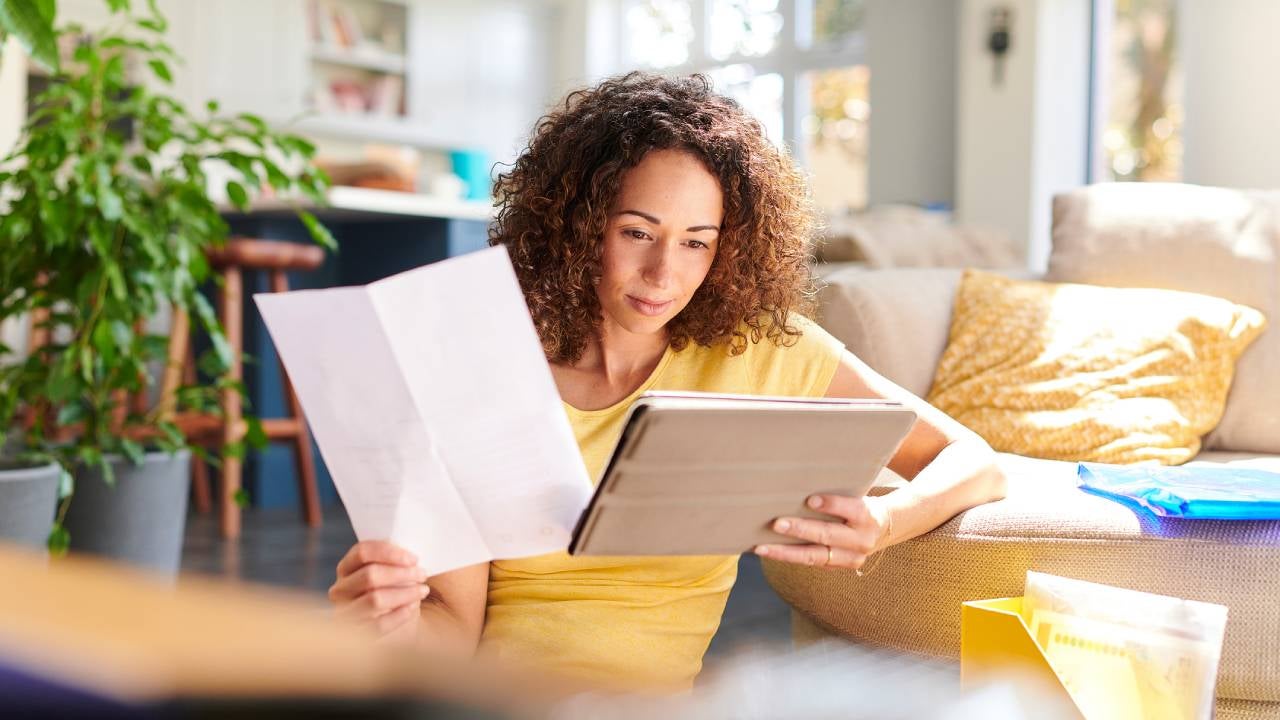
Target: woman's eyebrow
656,221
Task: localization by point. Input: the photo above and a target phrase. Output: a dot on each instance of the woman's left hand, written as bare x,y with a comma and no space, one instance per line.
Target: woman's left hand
858,529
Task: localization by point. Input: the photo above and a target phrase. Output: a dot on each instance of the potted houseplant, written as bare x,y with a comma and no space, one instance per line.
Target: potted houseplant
105,216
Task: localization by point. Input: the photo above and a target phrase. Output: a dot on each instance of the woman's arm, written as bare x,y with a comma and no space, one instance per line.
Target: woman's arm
951,469
453,614
380,585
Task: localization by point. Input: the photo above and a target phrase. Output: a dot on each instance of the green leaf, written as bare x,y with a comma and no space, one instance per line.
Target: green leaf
212,106
109,202
221,348
116,281
59,540
278,179
254,434
108,473
237,194
122,334
66,483
172,432
118,5
70,413
258,123
59,388
132,450
31,21
155,26
103,342
242,498
318,232
298,145
161,70
86,364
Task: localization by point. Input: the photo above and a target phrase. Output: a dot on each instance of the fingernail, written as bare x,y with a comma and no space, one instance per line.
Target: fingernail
423,591
815,502
762,550
782,525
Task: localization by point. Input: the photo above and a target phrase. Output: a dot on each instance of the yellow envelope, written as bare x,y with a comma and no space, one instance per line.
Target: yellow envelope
995,644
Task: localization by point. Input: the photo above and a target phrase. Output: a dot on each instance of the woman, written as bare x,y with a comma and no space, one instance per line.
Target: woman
661,243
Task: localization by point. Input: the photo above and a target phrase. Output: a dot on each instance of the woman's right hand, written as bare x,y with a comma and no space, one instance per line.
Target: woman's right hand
381,586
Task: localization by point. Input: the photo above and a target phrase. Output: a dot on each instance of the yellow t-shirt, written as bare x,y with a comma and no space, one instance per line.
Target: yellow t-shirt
641,621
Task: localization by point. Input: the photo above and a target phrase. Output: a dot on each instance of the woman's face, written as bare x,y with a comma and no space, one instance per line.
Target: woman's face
660,241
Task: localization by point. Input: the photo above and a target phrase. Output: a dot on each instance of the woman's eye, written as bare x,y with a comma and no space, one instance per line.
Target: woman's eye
698,244
638,234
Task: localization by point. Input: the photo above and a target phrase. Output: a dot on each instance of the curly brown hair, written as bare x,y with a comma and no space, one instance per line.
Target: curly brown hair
555,200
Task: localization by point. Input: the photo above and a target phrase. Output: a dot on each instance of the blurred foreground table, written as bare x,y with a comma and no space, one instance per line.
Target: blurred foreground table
82,637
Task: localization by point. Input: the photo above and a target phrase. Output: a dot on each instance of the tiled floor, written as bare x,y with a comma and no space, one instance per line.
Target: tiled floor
276,548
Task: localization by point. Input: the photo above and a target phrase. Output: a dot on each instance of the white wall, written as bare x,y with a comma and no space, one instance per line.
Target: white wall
1022,140
1231,59
13,93
585,47
911,51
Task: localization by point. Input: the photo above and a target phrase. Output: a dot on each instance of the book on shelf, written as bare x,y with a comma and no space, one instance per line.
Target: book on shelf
334,24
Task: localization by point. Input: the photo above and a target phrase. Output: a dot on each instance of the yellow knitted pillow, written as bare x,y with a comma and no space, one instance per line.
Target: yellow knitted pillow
1078,372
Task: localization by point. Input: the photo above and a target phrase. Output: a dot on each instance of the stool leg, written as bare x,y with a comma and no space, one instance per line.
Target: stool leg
199,468
180,368
304,462
232,306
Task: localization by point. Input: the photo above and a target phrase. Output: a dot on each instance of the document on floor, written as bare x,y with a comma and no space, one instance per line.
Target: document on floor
435,411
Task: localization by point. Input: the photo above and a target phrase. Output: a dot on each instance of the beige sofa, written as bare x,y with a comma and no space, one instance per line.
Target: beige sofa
1208,240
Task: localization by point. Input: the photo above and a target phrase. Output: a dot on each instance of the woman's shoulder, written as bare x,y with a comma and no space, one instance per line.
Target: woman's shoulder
796,335
773,361
797,360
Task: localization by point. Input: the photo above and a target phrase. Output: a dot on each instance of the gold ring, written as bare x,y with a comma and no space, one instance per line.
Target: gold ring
828,554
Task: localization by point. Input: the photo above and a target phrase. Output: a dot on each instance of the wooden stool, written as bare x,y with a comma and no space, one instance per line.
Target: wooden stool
236,257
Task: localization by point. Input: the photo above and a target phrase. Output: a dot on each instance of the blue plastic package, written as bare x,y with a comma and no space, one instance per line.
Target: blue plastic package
1197,492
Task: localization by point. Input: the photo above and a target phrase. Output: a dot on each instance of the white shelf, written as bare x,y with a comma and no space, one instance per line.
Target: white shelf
361,59
364,128
353,201
400,203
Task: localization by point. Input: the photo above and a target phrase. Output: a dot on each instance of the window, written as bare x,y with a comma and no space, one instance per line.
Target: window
659,32
835,21
835,133
761,95
1140,91
750,28
798,66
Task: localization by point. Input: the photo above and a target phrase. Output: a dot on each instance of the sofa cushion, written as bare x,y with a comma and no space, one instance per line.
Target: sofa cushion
909,598
1078,372
1214,241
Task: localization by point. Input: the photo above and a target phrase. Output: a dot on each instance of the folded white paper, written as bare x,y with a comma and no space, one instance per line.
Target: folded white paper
435,411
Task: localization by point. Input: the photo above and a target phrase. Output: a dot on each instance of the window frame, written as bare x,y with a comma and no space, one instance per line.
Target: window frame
792,58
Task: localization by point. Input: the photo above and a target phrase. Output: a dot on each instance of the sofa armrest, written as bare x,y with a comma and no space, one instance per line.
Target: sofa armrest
895,320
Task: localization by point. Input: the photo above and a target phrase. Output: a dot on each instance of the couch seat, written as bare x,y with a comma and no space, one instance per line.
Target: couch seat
910,598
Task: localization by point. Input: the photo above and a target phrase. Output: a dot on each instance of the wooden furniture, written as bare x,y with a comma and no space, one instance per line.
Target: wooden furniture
238,256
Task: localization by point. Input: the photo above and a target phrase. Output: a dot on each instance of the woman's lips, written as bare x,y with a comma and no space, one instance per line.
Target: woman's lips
645,307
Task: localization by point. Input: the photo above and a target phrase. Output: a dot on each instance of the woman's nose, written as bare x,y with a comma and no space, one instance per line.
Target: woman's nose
657,270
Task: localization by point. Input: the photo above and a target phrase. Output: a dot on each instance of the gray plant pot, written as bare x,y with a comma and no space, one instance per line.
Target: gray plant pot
139,521
28,499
